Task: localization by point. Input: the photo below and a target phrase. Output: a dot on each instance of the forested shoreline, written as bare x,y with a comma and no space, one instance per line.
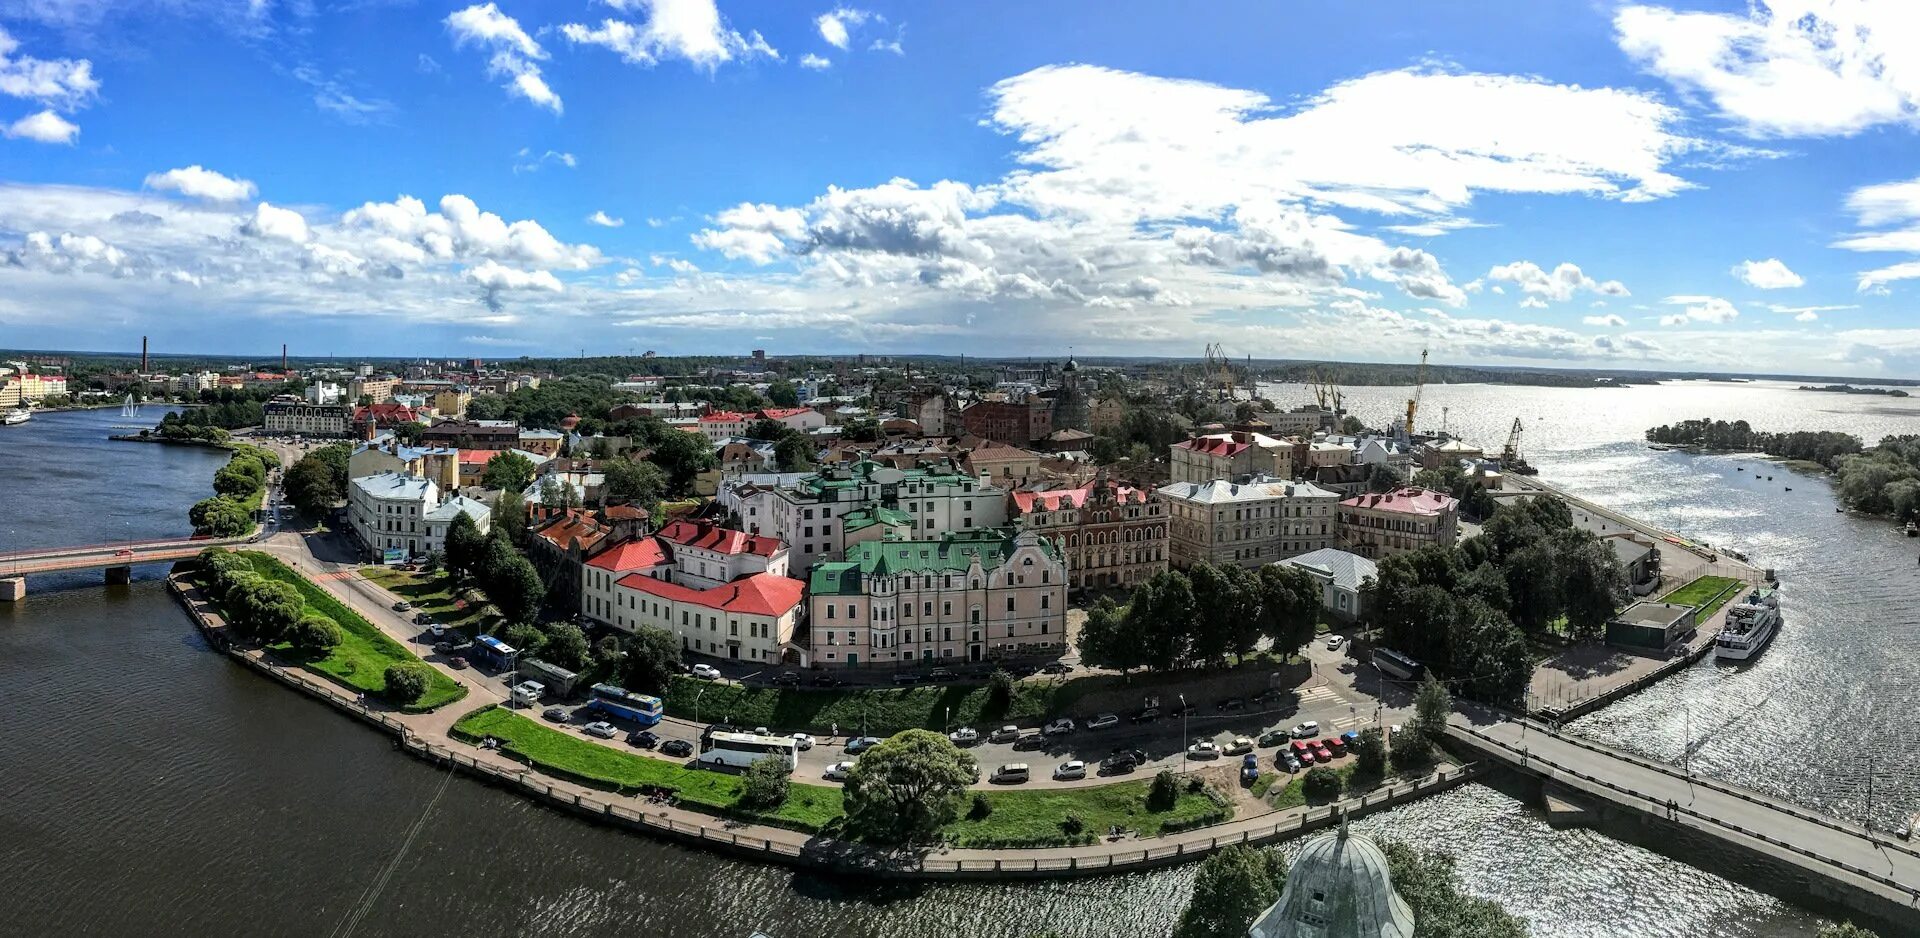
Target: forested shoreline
1882,480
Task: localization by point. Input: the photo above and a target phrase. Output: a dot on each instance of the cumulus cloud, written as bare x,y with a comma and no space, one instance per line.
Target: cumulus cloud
1610,321
690,30
814,62
1707,309
274,222
494,278
42,127
198,182
1787,68
66,253
605,220
513,54
1559,285
65,84
836,25
1769,274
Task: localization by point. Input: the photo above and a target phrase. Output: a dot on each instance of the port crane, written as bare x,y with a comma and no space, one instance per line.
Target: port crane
1510,458
1419,386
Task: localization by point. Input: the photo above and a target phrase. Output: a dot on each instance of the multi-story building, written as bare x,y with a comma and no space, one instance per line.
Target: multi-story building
544,442
1110,534
1404,519
473,434
299,418
1249,522
376,390
804,419
1230,455
811,515
440,519
561,546
325,392
1003,464
707,555
967,596
722,424
440,464
451,402
1018,423
388,512
750,619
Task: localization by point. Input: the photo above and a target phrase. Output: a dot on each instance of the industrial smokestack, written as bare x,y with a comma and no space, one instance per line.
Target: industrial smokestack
143,355
283,357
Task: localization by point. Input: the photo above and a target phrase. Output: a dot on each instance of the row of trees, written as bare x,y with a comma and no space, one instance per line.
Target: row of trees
265,610
1467,611
182,431
1203,616
1822,446
318,480
1884,480
490,562
236,486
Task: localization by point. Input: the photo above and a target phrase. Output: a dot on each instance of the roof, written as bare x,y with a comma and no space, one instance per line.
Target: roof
461,505
1251,489
1627,548
1410,500
781,413
712,537
1348,570
724,416
639,554
1339,887
954,553
860,519
1648,612
573,526
757,594
540,434
394,485
1056,499
1213,446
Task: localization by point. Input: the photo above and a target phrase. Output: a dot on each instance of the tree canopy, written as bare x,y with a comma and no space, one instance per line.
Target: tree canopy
1233,886
508,471
907,787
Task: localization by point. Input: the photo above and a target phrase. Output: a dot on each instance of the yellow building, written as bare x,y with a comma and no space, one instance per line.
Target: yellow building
452,403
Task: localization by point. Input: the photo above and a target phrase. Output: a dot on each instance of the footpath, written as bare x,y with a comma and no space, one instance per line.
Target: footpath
429,736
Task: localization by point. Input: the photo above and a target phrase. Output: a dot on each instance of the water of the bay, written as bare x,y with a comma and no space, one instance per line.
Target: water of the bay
154,788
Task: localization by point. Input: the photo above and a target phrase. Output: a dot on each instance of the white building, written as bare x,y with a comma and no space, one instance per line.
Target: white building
388,511
749,619
299,418
1251,522
440,519
812,515
804,419
1343,577
706,555
325,392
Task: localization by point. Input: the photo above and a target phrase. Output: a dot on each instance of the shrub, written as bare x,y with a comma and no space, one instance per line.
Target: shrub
406,682
766,784
1164,793
1370,752
1072,826
1410,753
981,807
999,693
1322,784
315,633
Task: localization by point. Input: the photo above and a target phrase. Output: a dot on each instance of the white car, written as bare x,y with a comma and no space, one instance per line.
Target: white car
1069,771
1307,730
600,728
964,736
1240,746
1101,721
802,742
1335,641
1060,727
706,672
1203,749
838,771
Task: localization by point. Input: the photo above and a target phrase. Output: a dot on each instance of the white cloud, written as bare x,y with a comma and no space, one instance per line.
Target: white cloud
1769,274
605,220
894,45
43,127
1533,302
272,221
513,52
66,84
198,182
689,30
66,253
836,24
1610,320
1788,67
1708,309
1808,316
1894,209
814,62
1558,285
528,163
1806,313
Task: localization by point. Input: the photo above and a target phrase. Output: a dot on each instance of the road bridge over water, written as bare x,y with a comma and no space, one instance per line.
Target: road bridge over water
118,560
1823,858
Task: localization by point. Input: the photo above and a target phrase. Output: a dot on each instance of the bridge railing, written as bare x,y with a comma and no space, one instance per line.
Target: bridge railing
109,547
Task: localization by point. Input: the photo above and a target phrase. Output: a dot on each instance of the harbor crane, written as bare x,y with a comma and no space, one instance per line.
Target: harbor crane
1216,372
1419,386
1510,458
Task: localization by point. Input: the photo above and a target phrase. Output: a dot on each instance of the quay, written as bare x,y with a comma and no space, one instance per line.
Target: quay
1821,860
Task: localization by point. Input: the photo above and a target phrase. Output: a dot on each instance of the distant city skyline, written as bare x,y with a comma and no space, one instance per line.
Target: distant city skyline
1711,186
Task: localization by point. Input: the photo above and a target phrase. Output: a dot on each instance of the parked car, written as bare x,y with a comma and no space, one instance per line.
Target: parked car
1303,751
1249,768
1336,744
457,662
678,748
1056,667
1068,771
1306,730
1030,741
823,679
1005,734
645,739
436,630
1060,727
1203,749
1273,737
837,771
1101,721
706,672
556,714
1348,738
906,677
860,744
1336,642
1013,773
1323,752
600,728
802,742
402,606
443,647
940,674
787,679
964,736
1147,715
1240,744
424,618
1231,703
1288,761
1123,761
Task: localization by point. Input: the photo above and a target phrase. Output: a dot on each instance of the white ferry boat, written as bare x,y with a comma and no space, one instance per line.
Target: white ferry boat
18,415
1751,623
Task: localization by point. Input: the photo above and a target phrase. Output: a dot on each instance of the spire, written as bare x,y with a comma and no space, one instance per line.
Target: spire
1343,822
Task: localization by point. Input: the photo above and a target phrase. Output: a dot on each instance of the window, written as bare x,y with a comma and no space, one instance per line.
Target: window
829,610
1045,601
1009,603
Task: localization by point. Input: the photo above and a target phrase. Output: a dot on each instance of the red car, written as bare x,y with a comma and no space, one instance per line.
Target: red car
1336,744
1322,752
1303,751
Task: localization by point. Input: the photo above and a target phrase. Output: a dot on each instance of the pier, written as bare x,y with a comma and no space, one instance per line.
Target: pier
1825,860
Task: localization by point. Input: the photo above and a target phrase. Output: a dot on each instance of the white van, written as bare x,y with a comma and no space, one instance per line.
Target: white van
528,693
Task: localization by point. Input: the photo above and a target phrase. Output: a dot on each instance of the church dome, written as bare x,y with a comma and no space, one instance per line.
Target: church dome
1339,887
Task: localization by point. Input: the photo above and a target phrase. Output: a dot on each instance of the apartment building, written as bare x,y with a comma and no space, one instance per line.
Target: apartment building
300,418
1111,534
1404,519
388,512
812,515
1229,456
750,619
1248,522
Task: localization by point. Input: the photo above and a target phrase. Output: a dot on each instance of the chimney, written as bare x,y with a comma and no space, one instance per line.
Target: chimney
143,355
283,357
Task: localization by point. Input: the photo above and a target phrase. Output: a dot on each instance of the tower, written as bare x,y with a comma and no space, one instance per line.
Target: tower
143,355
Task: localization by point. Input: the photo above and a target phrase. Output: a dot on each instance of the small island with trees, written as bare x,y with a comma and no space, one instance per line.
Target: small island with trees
1881,480
1850,389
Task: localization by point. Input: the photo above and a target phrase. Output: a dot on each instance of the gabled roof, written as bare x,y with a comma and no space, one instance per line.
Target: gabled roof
461,505
758,594
571,527
724,416
1410,500
639,554
394,485
712,537
1347,569
781,413
951,554
1055,499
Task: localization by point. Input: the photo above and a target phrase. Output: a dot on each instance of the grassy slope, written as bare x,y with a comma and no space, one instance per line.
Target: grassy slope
360,660
430,593
1033,818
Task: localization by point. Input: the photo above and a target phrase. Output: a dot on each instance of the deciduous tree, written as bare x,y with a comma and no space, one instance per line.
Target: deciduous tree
1232,888
653,657
508,471
907,787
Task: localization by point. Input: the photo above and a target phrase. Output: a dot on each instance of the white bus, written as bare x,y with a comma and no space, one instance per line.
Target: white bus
739,750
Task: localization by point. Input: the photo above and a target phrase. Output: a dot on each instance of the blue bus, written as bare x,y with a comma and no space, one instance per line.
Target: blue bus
615,701
494,652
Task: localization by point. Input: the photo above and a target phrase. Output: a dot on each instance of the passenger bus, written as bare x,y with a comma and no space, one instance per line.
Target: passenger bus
494,652
1395,664
619,702
740,750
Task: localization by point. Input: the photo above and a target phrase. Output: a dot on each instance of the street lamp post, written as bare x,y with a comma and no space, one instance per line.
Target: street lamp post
1184,711
696,703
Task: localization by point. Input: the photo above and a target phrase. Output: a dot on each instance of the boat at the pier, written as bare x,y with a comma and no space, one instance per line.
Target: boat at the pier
1751,623
16,416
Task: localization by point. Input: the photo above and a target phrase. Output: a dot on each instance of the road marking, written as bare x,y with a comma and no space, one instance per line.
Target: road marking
1347,723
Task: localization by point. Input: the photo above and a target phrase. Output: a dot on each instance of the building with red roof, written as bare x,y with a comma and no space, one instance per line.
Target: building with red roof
804,419
1111,533
749,619
642,556
386,415
1407,518
706,554
1229,456
721,424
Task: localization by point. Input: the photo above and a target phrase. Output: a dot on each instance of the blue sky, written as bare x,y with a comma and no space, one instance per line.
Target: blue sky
1639,185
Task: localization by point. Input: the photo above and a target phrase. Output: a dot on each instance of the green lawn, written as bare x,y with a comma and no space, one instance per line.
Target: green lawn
1707,592
1017,818
360,660
432,593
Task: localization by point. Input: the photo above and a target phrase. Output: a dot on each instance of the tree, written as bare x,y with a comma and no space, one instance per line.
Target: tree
783,394
1432,706
406,682
409,434
794,453
1164,793
1843,930
765,783
1108,638
1289,607
683,456
1321,784
269,609
1592,585
1490,655
515,588
556,492
999,693
1533,585
510,517
508,471
526,638
1370,753
566,646
1162,612
634,481
315,633
1427,881
466,546
1232,888
653,657
313,487
906,788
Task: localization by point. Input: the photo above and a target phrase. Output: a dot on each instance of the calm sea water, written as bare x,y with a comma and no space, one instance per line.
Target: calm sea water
154,788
